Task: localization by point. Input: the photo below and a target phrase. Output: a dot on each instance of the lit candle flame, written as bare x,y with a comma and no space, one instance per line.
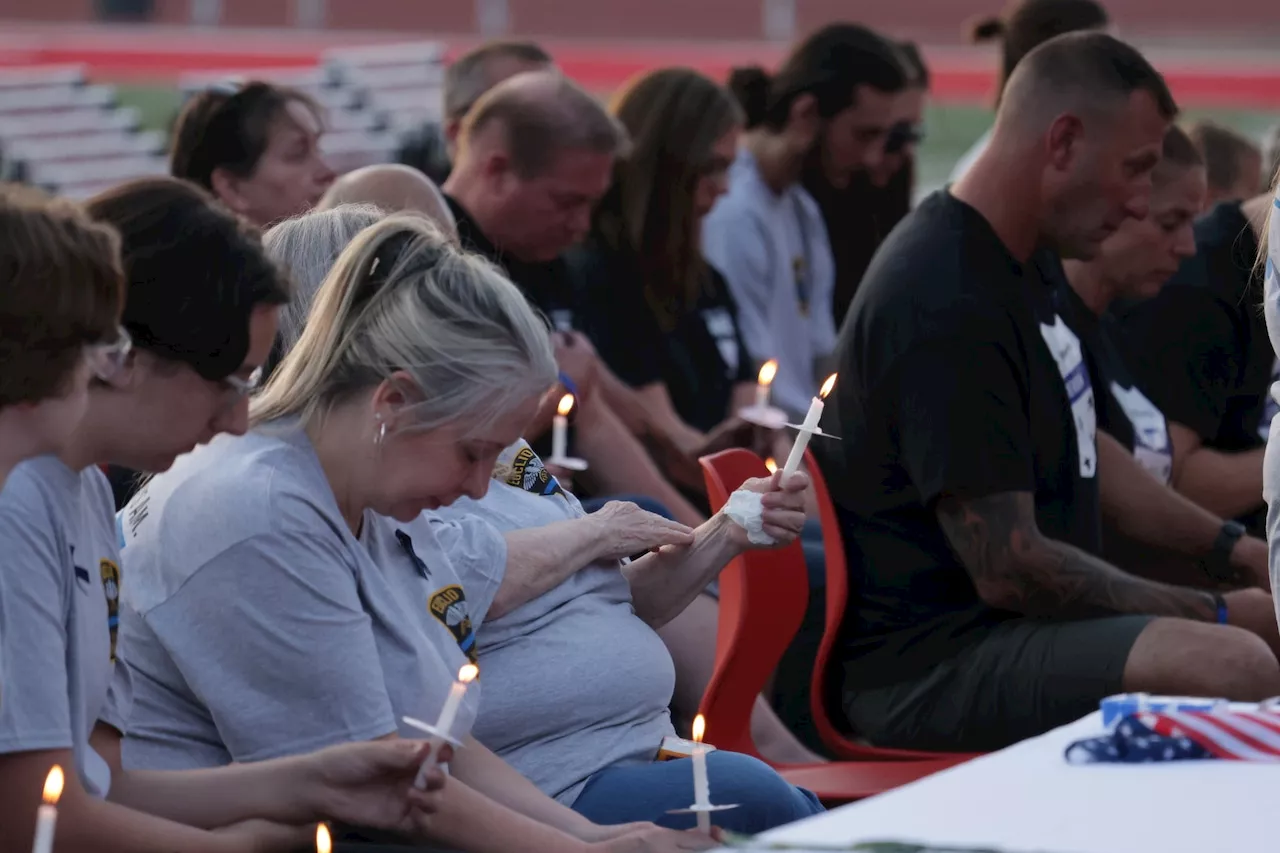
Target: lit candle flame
699,728
53,785
771,464
566,405
827,386
768,370
324,844
468,673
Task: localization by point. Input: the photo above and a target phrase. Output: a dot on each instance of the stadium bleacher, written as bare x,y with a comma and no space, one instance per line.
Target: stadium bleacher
62,132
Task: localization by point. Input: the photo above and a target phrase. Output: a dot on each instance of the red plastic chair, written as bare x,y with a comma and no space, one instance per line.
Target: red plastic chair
837,592
763,596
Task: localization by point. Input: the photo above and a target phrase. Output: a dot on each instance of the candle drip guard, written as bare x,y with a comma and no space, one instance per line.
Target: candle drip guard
433,732
769,417
569,463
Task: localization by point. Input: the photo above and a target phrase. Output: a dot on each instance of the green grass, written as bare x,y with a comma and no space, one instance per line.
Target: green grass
952,128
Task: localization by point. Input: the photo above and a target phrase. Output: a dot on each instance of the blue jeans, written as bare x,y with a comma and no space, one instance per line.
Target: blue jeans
646,792
645,503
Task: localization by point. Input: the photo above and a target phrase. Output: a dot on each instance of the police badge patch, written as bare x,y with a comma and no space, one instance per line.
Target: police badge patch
449,606
519,466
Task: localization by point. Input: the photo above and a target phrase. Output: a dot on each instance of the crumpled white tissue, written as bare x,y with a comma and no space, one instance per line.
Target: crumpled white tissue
746,509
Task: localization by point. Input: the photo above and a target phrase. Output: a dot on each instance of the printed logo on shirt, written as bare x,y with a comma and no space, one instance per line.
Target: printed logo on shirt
1270,406
111,589
562,319
1067,352
449,605
719,324
1150,432
519,466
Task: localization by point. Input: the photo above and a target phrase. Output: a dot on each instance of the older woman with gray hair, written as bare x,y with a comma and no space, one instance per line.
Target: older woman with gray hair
578,682
287,591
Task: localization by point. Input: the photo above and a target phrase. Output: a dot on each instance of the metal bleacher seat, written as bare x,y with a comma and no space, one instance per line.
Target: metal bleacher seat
106,170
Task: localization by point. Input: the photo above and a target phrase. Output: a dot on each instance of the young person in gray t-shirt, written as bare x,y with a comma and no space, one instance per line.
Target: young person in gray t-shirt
185,260
291,594
59,317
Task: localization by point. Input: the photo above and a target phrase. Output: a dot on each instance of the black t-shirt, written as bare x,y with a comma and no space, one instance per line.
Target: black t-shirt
858,218
700,359
1201,345
1124,411
948,386
547,285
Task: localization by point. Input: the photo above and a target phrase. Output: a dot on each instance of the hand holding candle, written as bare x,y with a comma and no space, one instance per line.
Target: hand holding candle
47,814
444,725
808,428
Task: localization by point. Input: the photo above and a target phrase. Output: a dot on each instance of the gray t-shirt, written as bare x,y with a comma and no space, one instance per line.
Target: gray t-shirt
264,628
576,682
59,591
774,252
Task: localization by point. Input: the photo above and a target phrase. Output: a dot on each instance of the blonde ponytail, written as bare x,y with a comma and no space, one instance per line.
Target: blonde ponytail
403,297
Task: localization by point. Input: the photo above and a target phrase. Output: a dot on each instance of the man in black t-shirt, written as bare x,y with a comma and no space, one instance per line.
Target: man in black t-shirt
966,481
535,154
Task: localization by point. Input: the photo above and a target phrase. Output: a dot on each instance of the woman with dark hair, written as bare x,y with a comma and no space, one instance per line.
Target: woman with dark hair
201,313
834,93
663,319
255,147
59,319
863,212
1024,26
658,314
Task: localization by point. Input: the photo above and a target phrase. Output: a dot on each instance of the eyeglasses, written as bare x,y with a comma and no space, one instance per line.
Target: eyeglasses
901,135
243,387
107,358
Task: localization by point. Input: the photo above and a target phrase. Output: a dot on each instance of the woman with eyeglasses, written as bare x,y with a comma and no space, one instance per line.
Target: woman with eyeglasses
60,297
199,317
256,147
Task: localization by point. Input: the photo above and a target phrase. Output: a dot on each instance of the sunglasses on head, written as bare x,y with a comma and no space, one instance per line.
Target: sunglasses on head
901,135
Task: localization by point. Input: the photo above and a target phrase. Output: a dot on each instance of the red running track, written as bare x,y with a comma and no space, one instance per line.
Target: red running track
958,76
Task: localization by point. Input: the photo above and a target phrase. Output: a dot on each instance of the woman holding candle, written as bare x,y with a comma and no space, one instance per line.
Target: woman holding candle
295,562
657,313
200,310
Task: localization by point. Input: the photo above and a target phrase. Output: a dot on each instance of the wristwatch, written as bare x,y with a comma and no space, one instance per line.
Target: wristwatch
1217,564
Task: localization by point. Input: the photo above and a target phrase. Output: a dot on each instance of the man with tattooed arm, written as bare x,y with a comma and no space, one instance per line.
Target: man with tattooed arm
967,481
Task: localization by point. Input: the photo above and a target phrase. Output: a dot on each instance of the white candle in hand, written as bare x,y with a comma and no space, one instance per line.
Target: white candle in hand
560,428
765,378
444,725
808,428
701,785
47,814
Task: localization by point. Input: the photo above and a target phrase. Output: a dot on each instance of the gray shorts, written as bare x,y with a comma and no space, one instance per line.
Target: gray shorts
1025,677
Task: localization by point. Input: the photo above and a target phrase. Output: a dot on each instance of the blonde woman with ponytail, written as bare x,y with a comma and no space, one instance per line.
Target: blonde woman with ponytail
289,593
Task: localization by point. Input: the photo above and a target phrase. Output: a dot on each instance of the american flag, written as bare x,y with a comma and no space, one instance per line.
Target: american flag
1183,735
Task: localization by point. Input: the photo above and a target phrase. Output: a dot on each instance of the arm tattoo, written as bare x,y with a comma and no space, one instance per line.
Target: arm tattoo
1016,568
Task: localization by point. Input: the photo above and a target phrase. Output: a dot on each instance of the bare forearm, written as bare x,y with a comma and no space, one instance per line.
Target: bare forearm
489,775
542,558
468,820
1144,509
1227,484
273,790
663,583
623,399
89,825
620,464
1016,568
